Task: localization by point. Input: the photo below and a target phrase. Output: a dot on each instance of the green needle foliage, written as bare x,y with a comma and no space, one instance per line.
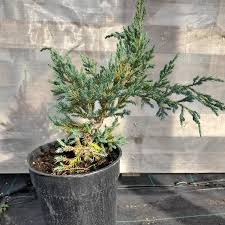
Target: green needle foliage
87,97
3,208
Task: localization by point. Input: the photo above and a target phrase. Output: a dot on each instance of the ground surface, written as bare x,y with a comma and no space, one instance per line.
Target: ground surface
142,199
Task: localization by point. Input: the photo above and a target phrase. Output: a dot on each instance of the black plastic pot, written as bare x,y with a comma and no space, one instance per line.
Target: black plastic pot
83,199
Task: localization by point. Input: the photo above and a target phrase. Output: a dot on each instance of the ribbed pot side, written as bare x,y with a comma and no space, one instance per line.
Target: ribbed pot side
88,199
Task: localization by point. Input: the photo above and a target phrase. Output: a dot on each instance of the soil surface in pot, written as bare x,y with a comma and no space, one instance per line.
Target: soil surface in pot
45,162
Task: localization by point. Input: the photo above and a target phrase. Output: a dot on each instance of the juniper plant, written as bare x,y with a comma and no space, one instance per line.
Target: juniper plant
87,97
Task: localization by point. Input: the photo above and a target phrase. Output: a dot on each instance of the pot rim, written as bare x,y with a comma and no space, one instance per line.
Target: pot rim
72,175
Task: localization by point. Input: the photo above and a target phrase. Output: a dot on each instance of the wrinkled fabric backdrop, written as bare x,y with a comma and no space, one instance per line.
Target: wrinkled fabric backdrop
193,28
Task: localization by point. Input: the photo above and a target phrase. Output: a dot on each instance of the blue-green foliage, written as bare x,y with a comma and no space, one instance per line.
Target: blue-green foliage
96,93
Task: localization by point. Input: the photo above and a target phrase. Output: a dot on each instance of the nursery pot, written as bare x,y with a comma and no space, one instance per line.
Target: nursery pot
82,199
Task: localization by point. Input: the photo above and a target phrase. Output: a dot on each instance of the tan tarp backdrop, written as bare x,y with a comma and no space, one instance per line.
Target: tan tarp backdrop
193,28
